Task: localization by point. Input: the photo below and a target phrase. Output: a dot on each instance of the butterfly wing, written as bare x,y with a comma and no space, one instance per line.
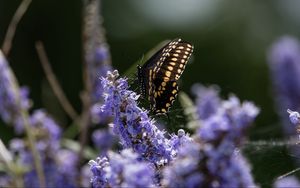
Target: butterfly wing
173,60
164,96
168,70
145,72
159,74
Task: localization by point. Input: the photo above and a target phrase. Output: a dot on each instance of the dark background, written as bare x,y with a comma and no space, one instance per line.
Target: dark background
231,40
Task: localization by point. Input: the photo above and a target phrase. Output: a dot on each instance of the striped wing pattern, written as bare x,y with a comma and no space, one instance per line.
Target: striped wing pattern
158,76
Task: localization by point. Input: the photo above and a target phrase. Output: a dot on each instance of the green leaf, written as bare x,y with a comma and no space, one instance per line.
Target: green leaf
144,58
189,110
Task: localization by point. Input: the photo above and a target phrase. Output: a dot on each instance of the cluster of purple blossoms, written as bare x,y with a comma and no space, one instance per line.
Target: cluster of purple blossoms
209,158
284,64
122,170
97,58
132,124
104,139
59,165
214,160
12,99
207,100
97,54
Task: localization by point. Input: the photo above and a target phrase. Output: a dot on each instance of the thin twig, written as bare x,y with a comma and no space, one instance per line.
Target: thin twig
54,82
86,94
293,141
84,123
11,30
288,173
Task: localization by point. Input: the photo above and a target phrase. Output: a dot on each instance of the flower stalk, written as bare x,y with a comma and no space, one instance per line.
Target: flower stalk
23,113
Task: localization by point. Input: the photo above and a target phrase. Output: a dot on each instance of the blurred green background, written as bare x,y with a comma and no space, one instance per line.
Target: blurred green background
231,40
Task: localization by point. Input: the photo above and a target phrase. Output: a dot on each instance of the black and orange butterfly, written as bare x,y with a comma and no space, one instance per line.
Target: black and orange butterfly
158,76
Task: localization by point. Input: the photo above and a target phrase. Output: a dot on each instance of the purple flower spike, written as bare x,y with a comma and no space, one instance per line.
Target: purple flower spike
12,99
284,64
59,165
231,119
96,50
132,124
212,159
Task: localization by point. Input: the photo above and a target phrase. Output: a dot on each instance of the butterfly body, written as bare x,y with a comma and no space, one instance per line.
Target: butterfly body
159,75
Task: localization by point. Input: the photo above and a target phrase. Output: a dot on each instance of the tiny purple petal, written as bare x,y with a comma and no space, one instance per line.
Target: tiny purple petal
294,117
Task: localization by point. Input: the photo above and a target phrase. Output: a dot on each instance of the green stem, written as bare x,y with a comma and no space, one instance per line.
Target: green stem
14,170
36,156
30,136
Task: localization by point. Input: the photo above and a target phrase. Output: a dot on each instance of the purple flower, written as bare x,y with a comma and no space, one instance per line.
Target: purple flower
122,170
290,181
294,117
221,135
97,58
60,171
132,124
99,71
212,158
180,139
98,179
183,171
59,165
203,165
12,99
104,140
96,50
97,115
284,64
67,172
207,101
49,132
230,120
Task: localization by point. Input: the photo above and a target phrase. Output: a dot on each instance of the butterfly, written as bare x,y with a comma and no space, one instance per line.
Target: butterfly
159,75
